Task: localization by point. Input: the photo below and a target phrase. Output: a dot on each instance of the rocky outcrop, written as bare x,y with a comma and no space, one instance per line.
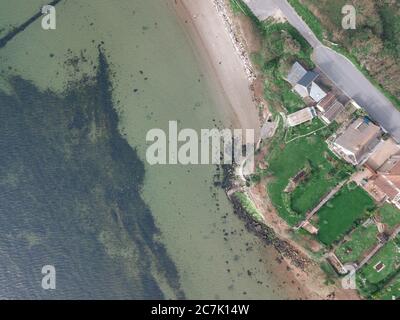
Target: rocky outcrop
269,237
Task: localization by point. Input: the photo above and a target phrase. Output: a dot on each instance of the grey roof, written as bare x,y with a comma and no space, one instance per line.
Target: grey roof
296,73
316,93
309,77
302,91
301,116
359,136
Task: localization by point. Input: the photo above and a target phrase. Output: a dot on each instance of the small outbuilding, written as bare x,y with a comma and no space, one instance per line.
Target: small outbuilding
301,116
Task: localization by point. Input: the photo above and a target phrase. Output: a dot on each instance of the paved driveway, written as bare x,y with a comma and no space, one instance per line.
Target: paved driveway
337,68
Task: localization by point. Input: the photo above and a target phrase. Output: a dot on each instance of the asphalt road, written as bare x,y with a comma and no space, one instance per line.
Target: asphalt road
337,68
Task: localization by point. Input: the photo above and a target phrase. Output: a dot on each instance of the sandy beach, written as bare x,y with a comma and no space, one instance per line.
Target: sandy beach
225,70
231,79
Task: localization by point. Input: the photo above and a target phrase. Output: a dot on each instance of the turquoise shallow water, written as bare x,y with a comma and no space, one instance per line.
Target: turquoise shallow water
76,190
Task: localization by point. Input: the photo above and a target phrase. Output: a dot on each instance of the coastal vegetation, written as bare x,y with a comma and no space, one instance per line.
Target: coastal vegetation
300,170
293,149
248,206
373,283
281,46
309,18
239,7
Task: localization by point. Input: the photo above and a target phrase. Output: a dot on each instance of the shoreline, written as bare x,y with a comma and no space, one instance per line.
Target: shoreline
305,273
231,79
186,11
224,71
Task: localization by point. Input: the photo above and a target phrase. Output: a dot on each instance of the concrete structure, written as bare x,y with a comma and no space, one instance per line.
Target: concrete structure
301,116
357,142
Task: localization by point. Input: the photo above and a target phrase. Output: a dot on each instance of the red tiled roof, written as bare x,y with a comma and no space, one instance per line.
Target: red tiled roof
386,187
328,101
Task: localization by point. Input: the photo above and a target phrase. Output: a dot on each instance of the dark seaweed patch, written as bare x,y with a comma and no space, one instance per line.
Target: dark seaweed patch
69,196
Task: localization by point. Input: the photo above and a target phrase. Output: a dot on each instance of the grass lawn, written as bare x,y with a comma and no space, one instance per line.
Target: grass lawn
389,255
239,7
303,129
361,240
389,215
390,291
308,17
286,160
340,213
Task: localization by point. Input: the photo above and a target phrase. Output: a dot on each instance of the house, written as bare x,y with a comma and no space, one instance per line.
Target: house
387,180
382,153
296,73
316,93
301,116
330,108
334,110
368,184
303,86
306,87
326,102
384,184
357,142
303,82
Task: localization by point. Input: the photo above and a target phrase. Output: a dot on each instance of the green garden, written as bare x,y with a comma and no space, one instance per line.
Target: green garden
371,280
362,239
286,160
341,213
390,291
389,215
